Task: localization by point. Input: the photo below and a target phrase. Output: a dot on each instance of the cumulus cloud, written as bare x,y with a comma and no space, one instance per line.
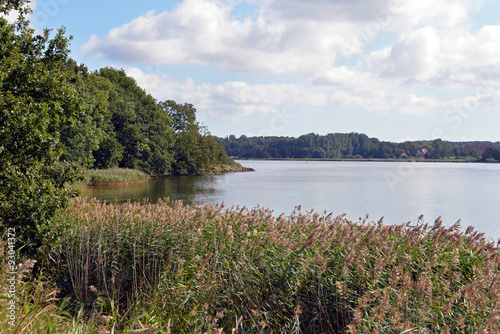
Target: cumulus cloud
282,37
431,45
374,94
443,58
339,87
203,32
230,100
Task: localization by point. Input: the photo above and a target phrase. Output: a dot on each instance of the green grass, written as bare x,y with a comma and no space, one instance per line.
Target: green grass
96,176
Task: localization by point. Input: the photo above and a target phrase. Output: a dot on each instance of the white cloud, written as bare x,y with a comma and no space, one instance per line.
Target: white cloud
444,58
415,55
14,14
230,100
284,36
432,46
374,94
273,41
340,86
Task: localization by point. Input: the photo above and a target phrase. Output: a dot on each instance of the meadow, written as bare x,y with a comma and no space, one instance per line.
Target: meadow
175,268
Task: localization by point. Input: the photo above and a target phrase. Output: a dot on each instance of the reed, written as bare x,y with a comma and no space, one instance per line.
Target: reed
210,269
28,304
113,175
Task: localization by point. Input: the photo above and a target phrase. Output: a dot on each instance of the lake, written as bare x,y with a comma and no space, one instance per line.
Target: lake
399,191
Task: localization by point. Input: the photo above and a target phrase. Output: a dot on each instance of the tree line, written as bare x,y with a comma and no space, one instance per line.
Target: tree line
353,146
57,118
120,125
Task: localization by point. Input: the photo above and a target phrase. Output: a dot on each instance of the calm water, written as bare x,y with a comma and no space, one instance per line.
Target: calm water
398,191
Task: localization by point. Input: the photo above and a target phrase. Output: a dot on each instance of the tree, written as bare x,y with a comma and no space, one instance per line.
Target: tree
37,99
195,150
183,115
491,154
143,129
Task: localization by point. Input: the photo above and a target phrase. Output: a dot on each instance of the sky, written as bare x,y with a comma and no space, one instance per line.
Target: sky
392,69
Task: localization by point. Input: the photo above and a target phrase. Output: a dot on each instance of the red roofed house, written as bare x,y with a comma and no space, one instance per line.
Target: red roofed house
421,153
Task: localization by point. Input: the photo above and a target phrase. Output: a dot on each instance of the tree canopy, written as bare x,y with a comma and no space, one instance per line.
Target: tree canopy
38,98
57,117
347,145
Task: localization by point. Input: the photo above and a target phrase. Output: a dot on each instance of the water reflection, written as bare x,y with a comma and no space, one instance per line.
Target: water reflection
453,191
189,189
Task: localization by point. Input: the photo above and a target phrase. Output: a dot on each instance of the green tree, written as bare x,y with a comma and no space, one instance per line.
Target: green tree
195,150
86,132
491,154
140,125
37,99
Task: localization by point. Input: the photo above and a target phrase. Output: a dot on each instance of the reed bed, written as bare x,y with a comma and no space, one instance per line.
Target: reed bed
209,269
28,304
111,175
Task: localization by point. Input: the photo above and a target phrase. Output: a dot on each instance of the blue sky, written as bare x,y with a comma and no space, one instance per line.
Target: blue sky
393,69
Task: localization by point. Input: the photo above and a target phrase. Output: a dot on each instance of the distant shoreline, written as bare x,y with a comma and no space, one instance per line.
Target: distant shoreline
365,160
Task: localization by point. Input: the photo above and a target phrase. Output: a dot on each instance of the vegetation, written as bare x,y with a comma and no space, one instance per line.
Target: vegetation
35,308
182,269
57,118
88,267
350,146
125,127
491,154
37,99
112,175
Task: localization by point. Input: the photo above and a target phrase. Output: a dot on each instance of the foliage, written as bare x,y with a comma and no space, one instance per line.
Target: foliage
37,99
492,154
130,129
209,269
339,145
57,117
140,127
195,151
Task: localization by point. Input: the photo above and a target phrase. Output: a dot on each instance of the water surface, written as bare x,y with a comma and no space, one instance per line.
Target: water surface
399,191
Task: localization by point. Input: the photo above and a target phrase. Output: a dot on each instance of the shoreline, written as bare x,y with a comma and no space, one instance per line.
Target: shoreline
215,171
365,160
126,182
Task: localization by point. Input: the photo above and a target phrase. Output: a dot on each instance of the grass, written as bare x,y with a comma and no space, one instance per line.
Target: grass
112,175
209,269
28,304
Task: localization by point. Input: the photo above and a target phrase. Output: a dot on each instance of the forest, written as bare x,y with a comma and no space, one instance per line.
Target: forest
58,118
120,125
354,146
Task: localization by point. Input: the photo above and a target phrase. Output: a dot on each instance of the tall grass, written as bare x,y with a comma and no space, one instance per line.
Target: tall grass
209,269
28,304
100,176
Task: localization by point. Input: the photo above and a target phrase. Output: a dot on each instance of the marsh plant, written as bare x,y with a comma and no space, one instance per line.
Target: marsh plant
210,269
